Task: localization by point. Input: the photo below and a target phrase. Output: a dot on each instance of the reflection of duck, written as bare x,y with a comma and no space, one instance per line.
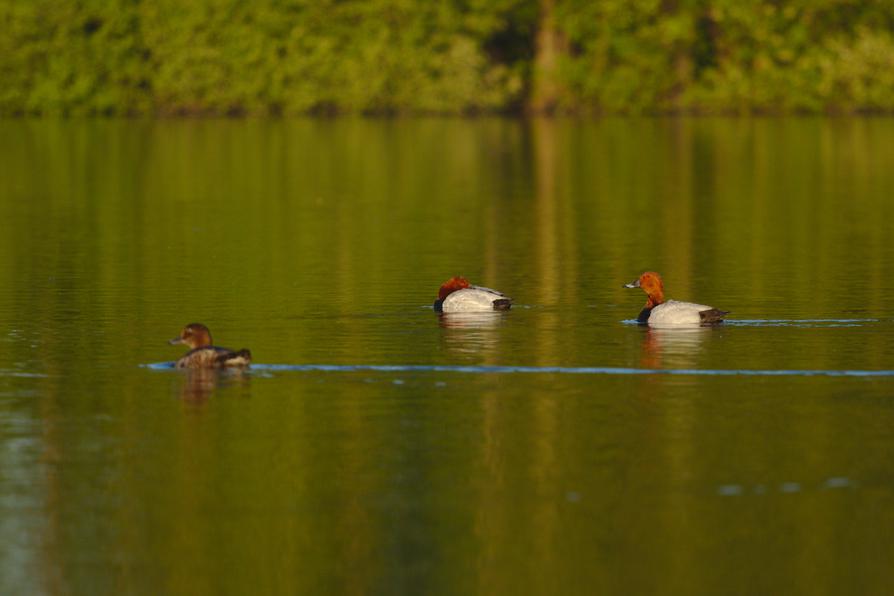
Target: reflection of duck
470,320
200,383
671,313
204,355
457,295
471,332
675,348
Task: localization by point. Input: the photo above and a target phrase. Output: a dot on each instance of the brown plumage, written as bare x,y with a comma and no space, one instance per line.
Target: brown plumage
203,354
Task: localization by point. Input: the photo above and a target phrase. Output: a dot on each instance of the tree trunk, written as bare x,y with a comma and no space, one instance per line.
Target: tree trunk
546,89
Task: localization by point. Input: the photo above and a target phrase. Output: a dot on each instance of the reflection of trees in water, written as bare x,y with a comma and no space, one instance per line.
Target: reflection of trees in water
566,202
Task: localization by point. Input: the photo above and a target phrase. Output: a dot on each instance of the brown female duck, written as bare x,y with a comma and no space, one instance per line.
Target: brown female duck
203,354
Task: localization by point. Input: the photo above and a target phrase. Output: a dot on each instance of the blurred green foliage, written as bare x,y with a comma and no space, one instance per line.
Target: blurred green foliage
456,56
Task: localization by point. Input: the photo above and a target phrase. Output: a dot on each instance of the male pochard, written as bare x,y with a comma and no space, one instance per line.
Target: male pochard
203,354
457,295
659,312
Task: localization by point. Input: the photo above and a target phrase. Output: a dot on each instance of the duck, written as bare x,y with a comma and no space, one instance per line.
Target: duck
659,312
458,295
203,354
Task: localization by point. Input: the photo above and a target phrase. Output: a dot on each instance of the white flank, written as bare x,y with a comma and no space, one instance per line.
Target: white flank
677,314
472,299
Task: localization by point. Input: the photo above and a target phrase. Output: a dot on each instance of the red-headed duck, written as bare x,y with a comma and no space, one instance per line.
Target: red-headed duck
659,312
203,354
457,295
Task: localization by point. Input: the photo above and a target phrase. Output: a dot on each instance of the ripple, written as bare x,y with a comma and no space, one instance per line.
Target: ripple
562,370
789,487
810,323
5,372
800,322
729,490
838,482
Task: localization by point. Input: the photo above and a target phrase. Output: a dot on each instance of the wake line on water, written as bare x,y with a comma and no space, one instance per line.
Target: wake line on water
799,322
21,374
566,370
809,323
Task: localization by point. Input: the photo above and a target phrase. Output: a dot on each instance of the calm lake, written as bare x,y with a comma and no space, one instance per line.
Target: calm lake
375,448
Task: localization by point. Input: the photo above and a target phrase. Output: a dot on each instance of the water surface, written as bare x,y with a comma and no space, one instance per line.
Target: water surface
378,448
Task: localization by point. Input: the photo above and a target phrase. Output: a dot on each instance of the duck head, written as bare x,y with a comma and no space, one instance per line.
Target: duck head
194,335
448,287
452,285
650,283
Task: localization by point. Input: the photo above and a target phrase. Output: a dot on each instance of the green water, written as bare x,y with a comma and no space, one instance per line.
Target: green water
525,454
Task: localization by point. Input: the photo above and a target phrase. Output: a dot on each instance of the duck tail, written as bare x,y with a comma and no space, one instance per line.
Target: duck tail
240,358
713,316
502,304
